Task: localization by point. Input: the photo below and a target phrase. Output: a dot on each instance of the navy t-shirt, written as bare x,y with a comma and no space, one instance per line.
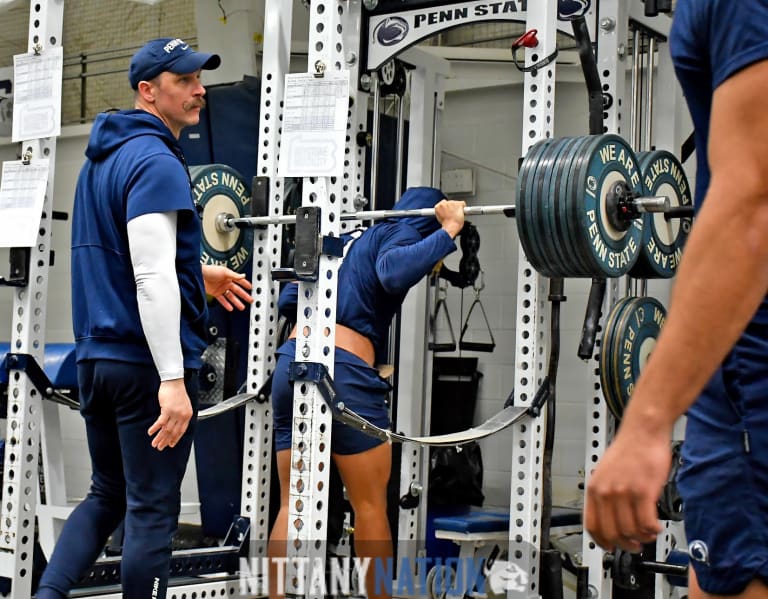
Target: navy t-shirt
710,41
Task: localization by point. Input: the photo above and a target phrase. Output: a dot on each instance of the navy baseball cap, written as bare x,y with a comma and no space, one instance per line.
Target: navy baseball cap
168,54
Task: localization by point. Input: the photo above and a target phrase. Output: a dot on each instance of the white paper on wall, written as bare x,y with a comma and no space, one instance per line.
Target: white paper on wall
22,193
314,125
37,94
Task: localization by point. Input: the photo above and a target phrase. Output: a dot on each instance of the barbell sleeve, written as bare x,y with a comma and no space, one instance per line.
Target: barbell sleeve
652,204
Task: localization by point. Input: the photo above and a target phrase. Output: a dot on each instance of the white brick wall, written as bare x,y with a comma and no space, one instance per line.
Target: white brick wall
91,26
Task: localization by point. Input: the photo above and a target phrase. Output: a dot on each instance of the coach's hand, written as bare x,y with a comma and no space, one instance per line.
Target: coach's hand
175,414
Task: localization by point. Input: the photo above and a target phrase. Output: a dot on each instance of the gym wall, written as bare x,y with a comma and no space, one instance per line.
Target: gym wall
117,26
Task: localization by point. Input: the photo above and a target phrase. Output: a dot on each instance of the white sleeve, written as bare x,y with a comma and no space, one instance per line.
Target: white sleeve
152,243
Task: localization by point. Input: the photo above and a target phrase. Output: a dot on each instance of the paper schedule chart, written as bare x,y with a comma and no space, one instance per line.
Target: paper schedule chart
22,194
37,94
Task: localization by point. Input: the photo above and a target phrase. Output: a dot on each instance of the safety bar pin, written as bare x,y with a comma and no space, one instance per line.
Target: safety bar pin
26,158
37,49
529,40
319,69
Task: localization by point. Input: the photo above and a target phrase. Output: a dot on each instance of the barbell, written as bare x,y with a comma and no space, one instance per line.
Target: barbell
228,222
586,207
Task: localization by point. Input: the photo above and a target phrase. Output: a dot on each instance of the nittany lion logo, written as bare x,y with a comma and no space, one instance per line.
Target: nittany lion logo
506,576
391,31
699,551
570,9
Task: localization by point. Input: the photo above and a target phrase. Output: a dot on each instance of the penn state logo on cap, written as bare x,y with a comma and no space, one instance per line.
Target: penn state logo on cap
391,31
168,54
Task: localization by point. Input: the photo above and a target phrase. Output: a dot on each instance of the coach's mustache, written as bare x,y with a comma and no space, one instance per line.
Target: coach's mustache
194,104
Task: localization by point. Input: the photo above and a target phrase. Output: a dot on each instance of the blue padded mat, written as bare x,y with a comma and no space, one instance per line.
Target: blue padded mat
485,521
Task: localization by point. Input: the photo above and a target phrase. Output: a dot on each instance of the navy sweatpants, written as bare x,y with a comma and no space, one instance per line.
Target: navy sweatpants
130,481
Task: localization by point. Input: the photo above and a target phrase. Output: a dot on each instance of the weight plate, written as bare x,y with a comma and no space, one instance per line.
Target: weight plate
559,233
635,336
663,239
620,324
542,262
543,207
219,189
575,263
558,227
469,239
571,208
609,161
525,230
608,366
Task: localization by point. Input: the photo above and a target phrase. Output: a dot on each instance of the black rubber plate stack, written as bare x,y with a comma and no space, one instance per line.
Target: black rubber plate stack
631,331
663,240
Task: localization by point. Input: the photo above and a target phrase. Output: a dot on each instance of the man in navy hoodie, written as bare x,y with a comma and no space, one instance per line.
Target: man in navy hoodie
380,265
139,315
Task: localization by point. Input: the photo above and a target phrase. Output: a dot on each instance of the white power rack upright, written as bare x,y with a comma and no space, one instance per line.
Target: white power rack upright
27,415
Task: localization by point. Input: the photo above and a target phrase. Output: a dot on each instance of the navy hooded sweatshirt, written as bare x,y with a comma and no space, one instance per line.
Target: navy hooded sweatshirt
134,166
381,266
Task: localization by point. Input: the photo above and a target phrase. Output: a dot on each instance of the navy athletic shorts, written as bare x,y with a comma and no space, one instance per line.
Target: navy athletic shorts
724,476
358,385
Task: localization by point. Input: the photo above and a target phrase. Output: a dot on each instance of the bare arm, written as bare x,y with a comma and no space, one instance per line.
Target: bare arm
724,273
723,276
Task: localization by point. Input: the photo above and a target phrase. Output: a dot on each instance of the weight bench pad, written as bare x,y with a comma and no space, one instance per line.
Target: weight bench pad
482,521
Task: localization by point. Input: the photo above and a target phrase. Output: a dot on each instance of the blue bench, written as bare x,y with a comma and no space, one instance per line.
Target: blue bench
477,523
478,533
59,365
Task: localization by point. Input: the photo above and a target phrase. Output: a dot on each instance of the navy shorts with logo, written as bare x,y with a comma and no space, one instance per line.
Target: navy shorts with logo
358,385
724,477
